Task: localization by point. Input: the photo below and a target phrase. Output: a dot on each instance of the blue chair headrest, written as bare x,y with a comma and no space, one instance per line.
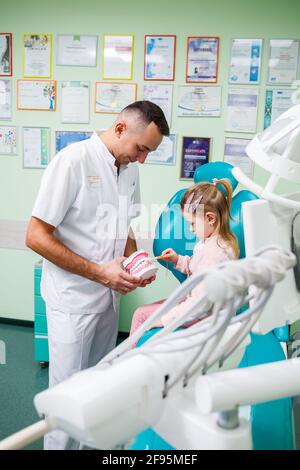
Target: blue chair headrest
218,170
172,230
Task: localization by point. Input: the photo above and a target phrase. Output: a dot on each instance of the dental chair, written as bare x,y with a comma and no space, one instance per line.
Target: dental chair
194,386
271,422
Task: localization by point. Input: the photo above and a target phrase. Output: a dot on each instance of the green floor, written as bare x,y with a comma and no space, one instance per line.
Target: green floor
20,379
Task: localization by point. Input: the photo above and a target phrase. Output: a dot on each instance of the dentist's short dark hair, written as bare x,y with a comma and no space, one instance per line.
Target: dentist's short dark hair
149,112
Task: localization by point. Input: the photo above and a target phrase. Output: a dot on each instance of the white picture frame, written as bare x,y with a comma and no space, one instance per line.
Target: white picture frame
242,106
165,154
199,101
75,102
235,154
112,97
78,50
245,61
36,147
8,140
5,99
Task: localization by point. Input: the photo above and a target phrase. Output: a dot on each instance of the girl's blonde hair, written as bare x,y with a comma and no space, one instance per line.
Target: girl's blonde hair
215,200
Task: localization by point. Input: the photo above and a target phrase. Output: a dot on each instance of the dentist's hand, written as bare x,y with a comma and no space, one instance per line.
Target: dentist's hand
170,256
114,277
145,282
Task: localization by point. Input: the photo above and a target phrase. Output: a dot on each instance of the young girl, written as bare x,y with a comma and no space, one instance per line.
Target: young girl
206,206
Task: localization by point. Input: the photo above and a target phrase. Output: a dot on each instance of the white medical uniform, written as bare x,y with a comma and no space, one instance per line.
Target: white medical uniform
91,207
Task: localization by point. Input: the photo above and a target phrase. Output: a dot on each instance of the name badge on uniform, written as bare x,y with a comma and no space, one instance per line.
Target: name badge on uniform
94,181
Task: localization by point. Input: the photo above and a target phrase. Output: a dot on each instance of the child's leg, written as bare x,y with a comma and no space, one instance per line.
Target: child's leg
142,314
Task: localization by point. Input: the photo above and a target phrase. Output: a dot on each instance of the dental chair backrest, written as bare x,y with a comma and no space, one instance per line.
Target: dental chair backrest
172,231
271,422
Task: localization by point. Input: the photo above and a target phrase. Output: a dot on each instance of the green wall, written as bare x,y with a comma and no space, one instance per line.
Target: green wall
225,18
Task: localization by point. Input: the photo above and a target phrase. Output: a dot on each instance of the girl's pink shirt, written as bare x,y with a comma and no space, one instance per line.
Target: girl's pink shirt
206,254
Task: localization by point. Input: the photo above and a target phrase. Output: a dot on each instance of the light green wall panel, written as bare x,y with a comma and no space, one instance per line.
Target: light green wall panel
231,18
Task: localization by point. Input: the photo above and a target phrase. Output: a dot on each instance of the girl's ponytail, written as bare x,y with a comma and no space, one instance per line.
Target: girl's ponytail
227,189
224,212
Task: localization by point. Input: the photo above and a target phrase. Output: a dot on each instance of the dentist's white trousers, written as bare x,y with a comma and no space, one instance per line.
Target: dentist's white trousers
76,342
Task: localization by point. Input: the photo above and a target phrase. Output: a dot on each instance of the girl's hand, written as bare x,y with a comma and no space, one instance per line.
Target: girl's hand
170,256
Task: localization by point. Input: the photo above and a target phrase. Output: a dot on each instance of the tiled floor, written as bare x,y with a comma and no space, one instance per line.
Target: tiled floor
20,379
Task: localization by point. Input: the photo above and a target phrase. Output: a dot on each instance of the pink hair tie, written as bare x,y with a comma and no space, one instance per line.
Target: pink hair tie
215,181
191,207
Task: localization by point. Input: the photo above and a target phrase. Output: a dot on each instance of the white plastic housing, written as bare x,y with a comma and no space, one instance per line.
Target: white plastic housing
105,407
266,223
227,390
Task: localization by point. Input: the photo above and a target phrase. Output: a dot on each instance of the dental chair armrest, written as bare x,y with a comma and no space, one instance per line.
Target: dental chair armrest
282,333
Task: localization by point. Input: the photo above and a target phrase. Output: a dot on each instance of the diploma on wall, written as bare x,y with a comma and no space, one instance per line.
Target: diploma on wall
5,54
235,154
165,154
160,94
36,147
75,102
195,153
113,97
202,59
36,94
241,110
76,49
65,138
245,61
199,101
8,140
37,50
5,99
283,64
117,57
159,57
277,101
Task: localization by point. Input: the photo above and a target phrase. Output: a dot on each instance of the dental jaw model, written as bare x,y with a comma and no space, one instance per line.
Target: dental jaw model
139,264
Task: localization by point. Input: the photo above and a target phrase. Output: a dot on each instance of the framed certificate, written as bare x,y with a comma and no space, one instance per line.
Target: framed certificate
201,101
76,49
165,154
245,61
65,138
283,67
117,57
37,55
113,97
202,59
160,94
36,147
159,59
242,106
36,95
235,154
277,101
75,102
8,140
6,54
5,99
195,152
